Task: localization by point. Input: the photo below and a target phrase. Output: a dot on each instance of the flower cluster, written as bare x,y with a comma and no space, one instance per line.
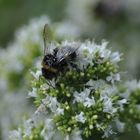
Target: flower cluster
15,61
20,56
85,102
82,101
131,111
22,53
101,18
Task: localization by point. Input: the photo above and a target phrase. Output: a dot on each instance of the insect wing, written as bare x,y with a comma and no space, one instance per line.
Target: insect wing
65,52
47,37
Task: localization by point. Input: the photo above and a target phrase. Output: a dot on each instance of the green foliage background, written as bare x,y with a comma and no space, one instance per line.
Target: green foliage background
15,13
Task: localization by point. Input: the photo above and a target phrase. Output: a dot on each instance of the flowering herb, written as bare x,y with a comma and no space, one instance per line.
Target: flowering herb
130,113
83,98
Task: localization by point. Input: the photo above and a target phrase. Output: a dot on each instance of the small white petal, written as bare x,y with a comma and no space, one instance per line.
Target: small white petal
60,111
80,118
49,124
16,134
33,93
108,132
51,102
108,105
123,101
36,74
115,57
28,125
89,102
113,77
44,86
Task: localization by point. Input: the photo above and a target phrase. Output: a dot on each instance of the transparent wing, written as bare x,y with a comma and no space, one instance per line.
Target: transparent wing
65,52
47,36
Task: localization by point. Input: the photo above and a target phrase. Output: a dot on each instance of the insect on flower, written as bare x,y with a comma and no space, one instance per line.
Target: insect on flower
60,60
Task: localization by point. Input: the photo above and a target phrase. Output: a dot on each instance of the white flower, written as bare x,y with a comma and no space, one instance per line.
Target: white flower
121,103
87,52
89,49
15,59
15,135
83,97
88,46
80,97
48,131
115,57
33,93
60,111
96,84
89,102
104,53
132,85
85,58
80,117
99,126
49,124
52,82
44,86
53,104
93,48
108,91
70,43
36,74
108,105
83,62
28,125
138,127
108,132
113,77
120,126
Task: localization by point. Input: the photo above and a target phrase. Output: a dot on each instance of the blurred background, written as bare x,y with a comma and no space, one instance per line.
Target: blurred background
21,44
16,13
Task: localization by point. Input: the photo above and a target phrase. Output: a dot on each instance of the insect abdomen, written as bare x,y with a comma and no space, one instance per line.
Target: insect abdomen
48,74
